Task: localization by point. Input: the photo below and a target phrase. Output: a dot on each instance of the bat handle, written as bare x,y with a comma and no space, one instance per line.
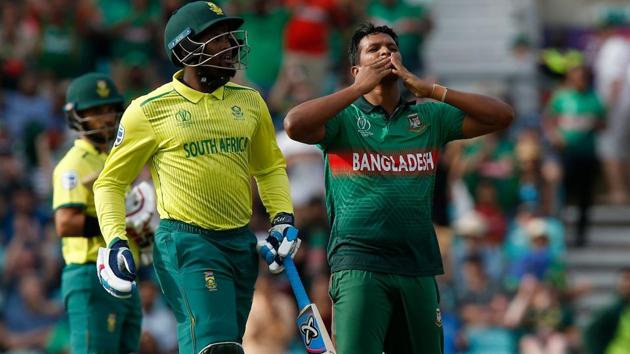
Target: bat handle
296,283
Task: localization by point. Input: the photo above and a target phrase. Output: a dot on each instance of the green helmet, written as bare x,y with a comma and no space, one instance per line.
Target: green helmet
191,20
89,91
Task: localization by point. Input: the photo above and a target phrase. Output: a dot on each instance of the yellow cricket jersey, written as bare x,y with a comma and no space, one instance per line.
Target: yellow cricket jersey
202,149
72,181
72,188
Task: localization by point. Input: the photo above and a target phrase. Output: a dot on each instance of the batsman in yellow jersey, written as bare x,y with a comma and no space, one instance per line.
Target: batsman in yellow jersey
203,139
99,323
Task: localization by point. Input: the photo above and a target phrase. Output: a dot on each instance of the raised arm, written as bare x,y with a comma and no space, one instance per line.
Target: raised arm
484,114
306,122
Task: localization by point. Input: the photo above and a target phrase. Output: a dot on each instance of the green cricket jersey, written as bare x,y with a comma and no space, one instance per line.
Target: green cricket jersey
578,114
380,173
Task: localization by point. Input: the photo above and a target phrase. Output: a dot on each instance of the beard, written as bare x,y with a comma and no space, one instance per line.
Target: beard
214,78
102,137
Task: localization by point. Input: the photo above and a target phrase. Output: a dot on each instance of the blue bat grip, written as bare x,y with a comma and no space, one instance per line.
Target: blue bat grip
296,283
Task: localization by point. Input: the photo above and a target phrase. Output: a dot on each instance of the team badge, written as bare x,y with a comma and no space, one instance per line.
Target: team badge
111,322
214,8
438,318
237,112
101,89
69,179
415,124
211,282
120,135
183,118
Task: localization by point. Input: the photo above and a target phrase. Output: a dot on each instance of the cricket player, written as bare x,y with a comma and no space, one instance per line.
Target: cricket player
203,138
381,154
99,323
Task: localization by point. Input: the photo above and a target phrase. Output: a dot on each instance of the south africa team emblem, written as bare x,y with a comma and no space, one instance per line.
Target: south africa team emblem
438,318
211,282
415,124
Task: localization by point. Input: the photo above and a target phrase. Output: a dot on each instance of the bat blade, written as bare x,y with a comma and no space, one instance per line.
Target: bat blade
313,331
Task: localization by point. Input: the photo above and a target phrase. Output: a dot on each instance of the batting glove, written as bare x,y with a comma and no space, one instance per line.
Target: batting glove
116,269
282,242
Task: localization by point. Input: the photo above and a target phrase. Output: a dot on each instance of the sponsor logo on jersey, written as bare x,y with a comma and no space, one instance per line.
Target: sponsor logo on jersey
415,124
237,112
227,145
211,282
120,135
372,163
364,126
69,179
183,118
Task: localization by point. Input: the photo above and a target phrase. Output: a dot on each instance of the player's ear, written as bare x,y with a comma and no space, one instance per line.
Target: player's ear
354,70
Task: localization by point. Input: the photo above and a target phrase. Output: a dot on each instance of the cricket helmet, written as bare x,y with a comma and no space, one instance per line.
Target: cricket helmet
89,91
181,40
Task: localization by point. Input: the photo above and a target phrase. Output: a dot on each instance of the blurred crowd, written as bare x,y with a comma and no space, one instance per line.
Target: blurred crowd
498,200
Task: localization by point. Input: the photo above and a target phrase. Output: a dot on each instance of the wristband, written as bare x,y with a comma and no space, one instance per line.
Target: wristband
91,227
438,92
283,218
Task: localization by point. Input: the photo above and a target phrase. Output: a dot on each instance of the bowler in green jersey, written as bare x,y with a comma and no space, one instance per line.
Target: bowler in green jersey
381,155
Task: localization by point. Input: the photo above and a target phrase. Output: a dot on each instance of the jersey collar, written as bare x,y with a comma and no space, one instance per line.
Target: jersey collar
367,107
190,94
86,146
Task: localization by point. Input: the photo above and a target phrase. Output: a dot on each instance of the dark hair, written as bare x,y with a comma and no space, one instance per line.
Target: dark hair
362,31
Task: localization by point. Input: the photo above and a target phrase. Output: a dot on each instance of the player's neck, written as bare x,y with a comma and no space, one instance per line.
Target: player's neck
191,80
386,95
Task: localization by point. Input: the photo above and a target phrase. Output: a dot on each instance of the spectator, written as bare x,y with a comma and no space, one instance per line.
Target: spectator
609,329
488,207
412,23
472,230
518,242
29,315
59,47
539,172
158,324
270,326
135,29
476,288
612,82
575,115
538,260
306,39
484,330
265,58
18,38
538,313
27,110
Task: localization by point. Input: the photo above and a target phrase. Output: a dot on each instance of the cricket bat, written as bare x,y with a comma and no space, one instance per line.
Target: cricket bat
309,321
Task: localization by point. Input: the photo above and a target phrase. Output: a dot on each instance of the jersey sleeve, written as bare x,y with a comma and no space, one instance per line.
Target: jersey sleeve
449,121
268,166
135,144
333,126
68,189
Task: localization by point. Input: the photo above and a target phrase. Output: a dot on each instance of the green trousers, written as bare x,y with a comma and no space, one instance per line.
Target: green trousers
208,280
375,313
99,322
